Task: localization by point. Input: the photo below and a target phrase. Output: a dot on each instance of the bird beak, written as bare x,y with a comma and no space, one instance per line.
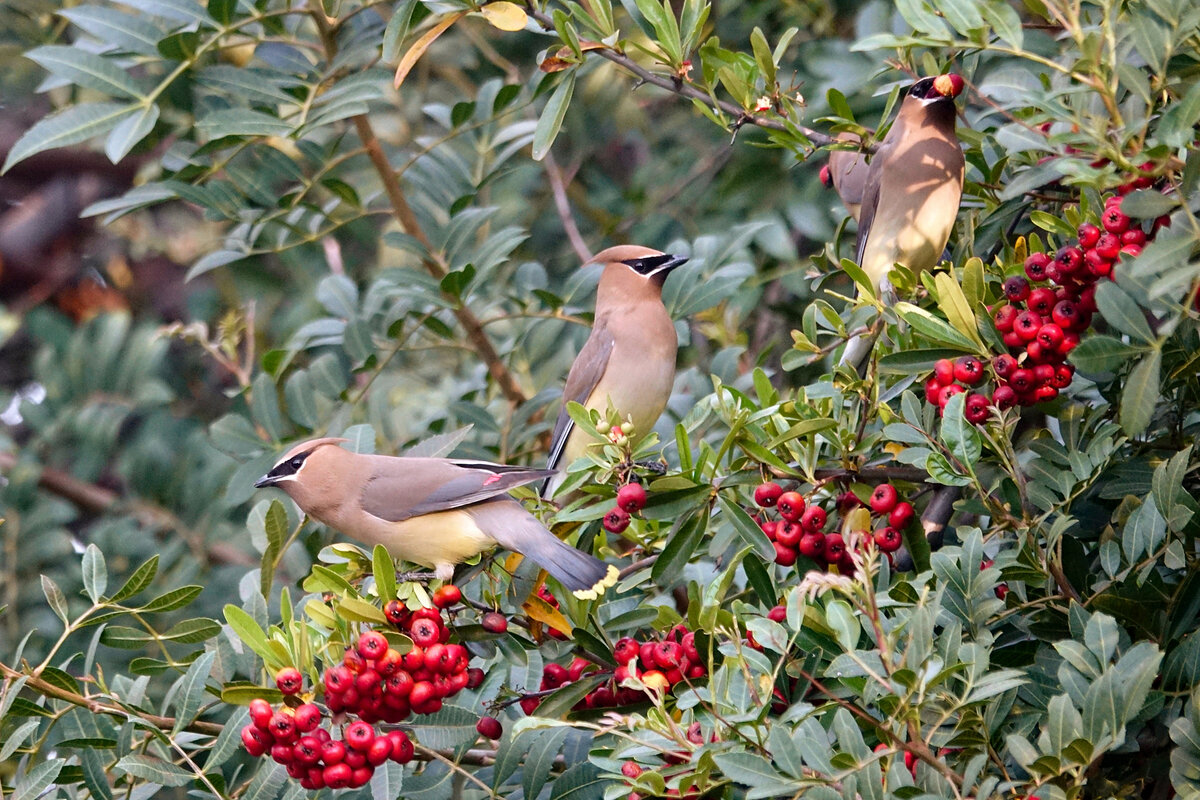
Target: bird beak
665,269
265,480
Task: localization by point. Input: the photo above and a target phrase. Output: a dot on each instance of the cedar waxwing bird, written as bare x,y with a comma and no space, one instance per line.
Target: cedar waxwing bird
913,188
846,174
432,511
628,360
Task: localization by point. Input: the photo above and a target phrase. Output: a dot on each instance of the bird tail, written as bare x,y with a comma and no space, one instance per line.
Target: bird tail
516,529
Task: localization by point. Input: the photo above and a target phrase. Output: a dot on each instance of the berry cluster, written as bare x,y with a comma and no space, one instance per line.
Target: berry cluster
631,498
1047,310
552,601
660,665
293,737
799,531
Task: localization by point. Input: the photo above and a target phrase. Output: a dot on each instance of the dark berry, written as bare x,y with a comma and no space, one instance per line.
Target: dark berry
494,622
489,728
1035,266
975,410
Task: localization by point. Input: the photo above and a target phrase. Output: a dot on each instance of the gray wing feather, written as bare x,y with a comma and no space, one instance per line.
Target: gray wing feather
585,373
402,488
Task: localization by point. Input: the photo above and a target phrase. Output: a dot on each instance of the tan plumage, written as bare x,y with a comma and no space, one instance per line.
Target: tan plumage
848,174
912,193
436,512
629,358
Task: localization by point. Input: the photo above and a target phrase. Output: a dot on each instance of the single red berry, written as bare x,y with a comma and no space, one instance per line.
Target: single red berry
361,777
1114,221
812,545
261,713
1065,314
489,728
777,613
630,769
625,650
1045,392
308,717
395,612
902,514
932,387
1097,265
884,498
1016,288
1063,374
402,746
379,751
616,520
358,735
770,528
631,497
337,776
1108,246
784,555
1070,342
1035,266
943,370
1089,234
847,501
888,539
1027,325
826,176
667,655
371,645
835,547
790,505
1131,250
968,370
1068,260
767,494
289,680
254,740
789,533
1042,301
424,632
475,677
975,410
389,663
949,85
1050,336
1134,236
1004,397
447,595
282,727
494,622
1003,365
1004,318
338,679
947,392
813,519
333,752
1022,380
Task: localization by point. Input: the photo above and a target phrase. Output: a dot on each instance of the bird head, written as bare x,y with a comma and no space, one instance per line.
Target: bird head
630,268
291,464
936,89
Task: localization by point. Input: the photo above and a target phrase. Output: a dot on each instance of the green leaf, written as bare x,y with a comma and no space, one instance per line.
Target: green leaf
1176,126
1148,204
222,10
189,695
134,34
1098,353
95,573
960,437
581,781
16,739
95,777
685,537
175,598
357,610
55,597
1140,395
154,770
242,122
384,570
755,771
763,56
552,117
129,131
1122,312
540,758
1051,223
248,631
275,526
933,328
747,528
139,580
72,125
940,471
397,29
953,303
86,69
31,785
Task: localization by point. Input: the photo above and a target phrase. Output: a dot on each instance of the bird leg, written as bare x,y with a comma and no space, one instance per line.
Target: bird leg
420,577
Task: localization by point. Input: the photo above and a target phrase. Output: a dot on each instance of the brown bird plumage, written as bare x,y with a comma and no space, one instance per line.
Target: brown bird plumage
436,512
848,174
912,193
629,358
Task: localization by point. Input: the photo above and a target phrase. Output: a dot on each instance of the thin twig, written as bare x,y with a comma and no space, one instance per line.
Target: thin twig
563,205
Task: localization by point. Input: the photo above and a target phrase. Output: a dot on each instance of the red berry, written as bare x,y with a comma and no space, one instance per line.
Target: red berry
1045,392
261,713
777,614
333,752
1027,325
289,680
949,85
395,612
422,694
1042,301
402,746
371,645
338,679
361,777
282,727
1114,221
968,370
847,502
825,176
424,632
812,545
1050,336
784,555
835,547
788,534
447,595
790,505
903,513
884,498
337,776
1089,234
1109,246
1004,397
625,650
667,655
379,751
494,622
943,370
308,717
1004,318
888,539
630,769
1065,314
359,735
767,494
631,497
947,392
932,387
1132,250
616,520
1021,380
1003,365
975,410
489,728
1016,288
1035,266
254,740
1134,236
1068,260
771,528
813,519
1063,374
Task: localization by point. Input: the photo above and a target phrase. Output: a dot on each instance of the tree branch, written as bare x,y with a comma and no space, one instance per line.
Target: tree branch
563,205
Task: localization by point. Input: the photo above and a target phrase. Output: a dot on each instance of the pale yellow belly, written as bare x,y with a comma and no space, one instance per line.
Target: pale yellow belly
448,537
640,392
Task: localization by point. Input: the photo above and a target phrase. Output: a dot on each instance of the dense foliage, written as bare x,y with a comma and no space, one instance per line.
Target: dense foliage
372,217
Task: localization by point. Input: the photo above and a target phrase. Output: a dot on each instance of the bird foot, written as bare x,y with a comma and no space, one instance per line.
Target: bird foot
421,577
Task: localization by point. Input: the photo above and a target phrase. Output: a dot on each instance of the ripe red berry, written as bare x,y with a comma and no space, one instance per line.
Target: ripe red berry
1063,374
282,727
489,728
903,513
932,387
358,736
784,555
788,534
1114,221
835,547
770,528
1132,250
631,497
812,545
338,679
395,612
1134,236
1016,288
616,520
630,769
790,505
379,751
667,655
1004,397
308,717
975,410
1021,380
888,539
767,494
371,645
943,370
402,746
361,777
424,632
494,622
1089,234
813,519
1027,325
337,776
447,595
826,176
777,613
1035,266
847,502
333,752
884,498
1003,365
625,650
1042,301
1050,336
1108,246
968,370
1065,314
289,680
947,392
1067,260
261,713
254,740
949,85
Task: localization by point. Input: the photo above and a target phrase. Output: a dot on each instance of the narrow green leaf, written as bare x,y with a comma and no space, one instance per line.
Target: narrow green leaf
747,529
31,785
384,570
396,30
95,573
1140,394
763,56
685,537
189,695
552,117
1122,312
540,758
1098,353
175,598
933,328
154,770
55,597
960,437
134,34
222,10
86,69
954,304
129,131
72,125
248,631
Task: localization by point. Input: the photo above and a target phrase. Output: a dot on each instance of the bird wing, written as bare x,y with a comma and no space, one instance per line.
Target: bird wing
585,374
401,488
870,201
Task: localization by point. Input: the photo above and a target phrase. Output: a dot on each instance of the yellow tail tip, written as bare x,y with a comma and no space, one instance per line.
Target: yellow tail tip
610,577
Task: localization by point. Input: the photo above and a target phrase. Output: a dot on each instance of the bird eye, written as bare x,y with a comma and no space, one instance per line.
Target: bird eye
297,462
